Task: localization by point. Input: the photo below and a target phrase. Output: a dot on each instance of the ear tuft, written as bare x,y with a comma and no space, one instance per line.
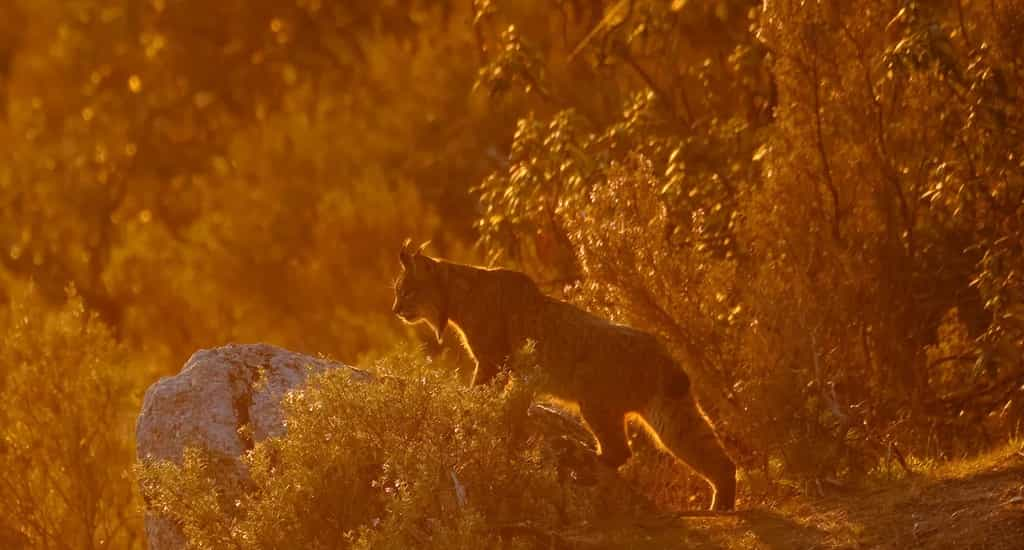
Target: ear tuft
405,254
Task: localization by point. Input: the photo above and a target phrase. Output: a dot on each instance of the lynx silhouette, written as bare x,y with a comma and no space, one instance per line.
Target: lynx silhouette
612,372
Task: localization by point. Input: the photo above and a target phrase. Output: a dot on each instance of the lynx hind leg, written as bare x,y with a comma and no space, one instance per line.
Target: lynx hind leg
678,426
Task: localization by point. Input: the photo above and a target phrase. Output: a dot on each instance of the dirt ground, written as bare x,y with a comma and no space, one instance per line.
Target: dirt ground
974,504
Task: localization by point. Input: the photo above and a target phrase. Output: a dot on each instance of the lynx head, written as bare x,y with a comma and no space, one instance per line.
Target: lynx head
420,294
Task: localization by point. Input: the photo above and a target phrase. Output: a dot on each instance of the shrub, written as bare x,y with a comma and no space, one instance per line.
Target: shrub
64,424
412,461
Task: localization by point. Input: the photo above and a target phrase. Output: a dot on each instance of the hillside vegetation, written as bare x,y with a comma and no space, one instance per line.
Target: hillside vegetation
818,206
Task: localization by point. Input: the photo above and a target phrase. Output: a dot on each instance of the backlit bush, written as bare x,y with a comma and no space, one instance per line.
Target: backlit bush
416,461
65,429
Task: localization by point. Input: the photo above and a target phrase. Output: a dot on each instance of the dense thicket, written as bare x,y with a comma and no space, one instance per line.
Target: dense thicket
819,205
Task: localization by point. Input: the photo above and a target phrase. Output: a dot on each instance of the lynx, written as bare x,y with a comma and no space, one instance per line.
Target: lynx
612,372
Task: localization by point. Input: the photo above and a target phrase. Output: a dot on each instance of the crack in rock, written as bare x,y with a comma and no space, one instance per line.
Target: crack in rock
242,385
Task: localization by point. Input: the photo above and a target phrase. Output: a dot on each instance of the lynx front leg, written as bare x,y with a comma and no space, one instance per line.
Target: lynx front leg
489,358
484,373
609,428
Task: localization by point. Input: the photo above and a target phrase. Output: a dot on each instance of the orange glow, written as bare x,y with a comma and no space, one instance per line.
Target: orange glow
818,208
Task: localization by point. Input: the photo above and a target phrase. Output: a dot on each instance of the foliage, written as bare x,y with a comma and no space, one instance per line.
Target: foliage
805,259
65,425
868,229
417,461
161,185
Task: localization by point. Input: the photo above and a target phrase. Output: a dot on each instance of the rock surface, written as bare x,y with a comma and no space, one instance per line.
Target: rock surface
224,400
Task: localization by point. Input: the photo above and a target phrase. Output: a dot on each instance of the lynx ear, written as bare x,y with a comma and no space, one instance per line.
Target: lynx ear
405,255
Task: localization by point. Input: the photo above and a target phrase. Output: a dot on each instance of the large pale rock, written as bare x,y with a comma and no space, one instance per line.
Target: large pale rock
223,400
